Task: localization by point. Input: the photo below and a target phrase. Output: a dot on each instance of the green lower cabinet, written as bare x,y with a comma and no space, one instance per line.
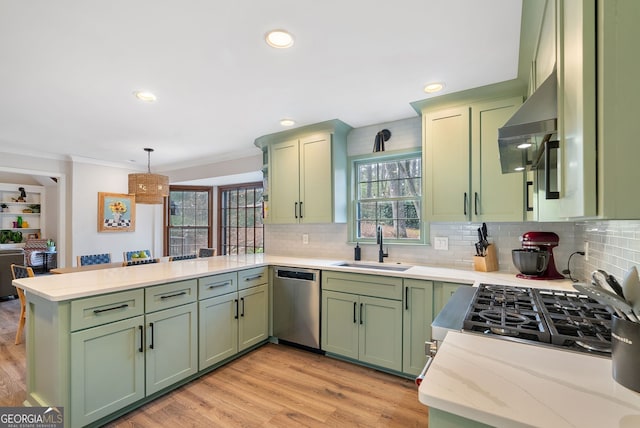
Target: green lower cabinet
368,329
417,318
218,329
232,323
442,292
171,346
253,322
107,369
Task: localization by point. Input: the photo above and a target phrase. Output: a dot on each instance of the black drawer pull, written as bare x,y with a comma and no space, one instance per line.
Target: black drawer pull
99,311
182,293
222,284
141,348
251,278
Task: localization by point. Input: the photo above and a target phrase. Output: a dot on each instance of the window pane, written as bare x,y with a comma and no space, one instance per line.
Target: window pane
241,214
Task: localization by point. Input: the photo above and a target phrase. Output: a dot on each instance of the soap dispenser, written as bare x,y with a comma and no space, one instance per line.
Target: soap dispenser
356,252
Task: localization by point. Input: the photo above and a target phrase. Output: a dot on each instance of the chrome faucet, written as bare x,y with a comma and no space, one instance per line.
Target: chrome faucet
381,253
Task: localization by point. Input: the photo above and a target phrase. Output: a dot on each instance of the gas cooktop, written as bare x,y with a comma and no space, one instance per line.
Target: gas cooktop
560,318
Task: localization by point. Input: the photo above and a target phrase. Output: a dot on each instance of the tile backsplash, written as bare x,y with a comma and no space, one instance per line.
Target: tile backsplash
613,245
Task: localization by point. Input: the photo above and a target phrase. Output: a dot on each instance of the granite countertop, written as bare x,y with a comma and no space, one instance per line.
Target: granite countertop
88,283
508,384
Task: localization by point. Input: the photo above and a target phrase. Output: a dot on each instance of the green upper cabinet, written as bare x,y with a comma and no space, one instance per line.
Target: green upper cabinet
307,174
589,42
463,179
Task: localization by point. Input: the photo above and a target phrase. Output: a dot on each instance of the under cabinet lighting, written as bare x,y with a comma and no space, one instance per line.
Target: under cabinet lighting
145,96
520,168
279,39
287,122
523,146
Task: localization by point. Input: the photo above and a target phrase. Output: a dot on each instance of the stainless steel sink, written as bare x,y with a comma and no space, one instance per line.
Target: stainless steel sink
381,266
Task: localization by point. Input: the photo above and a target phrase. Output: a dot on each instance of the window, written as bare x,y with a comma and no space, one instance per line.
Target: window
241,229
388,193
189,220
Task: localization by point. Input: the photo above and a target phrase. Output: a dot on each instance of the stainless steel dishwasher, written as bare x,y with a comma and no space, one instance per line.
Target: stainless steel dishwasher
296,306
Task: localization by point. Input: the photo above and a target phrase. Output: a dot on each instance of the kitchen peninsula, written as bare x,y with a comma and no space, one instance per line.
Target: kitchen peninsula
74,318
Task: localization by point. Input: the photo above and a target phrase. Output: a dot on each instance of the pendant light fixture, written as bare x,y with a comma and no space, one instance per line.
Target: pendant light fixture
149,188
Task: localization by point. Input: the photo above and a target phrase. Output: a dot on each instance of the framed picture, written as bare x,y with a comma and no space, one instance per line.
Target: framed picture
116,212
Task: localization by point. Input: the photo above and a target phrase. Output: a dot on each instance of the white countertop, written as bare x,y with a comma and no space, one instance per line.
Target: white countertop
508,384
88,283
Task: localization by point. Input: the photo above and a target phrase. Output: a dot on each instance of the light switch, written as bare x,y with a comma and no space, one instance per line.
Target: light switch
440,243
305,238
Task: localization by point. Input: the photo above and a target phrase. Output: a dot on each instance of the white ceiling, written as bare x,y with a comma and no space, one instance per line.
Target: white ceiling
69,68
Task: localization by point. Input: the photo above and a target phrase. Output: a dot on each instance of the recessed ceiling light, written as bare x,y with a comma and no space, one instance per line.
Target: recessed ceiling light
287,122
280,39
145,96
524,145
433,87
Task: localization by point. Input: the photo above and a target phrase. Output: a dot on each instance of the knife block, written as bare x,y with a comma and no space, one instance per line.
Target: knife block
488,263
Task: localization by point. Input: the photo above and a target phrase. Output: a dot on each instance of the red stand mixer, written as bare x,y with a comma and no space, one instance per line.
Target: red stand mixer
535,259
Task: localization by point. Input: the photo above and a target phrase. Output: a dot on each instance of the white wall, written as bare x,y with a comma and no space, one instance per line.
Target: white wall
88,180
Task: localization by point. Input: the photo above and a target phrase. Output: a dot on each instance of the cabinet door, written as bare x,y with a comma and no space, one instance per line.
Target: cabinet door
416,321
172,347
446,165
253,319
218,334
107,369
285,179
495,196
442,292
380,335
340,323
316,179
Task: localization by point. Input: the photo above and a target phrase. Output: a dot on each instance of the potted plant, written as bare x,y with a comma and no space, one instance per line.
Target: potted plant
4,207
51,245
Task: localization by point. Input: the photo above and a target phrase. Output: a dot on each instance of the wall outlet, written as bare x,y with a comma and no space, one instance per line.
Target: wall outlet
305,238
440,243
586,251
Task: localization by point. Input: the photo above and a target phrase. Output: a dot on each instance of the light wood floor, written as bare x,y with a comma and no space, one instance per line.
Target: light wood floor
273,386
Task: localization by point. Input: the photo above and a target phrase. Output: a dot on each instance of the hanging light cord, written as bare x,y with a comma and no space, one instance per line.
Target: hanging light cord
568,270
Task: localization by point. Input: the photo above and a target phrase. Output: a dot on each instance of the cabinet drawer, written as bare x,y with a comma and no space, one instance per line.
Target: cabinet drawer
105,309
217,285
169,295
252,277
386,287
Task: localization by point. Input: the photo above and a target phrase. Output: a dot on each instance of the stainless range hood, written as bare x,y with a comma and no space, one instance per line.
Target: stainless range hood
537,117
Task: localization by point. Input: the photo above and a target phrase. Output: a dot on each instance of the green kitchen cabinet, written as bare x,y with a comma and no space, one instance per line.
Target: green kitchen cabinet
442,292
462,174
306,174
107,369
417,318
234,314
362,318
171,346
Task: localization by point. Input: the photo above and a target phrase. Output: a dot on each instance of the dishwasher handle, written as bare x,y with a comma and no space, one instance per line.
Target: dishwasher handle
296,274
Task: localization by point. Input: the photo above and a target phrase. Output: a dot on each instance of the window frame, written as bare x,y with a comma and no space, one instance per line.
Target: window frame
167,214
353,194
221,190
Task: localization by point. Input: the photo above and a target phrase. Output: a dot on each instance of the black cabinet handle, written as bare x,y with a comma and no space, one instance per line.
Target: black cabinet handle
406,298
151,345
222,284
475,202
465,203
550,194
300,209
528,188
354,312
141,348
99,311
251,278
236,315
242,300
361,305
295,210
169,296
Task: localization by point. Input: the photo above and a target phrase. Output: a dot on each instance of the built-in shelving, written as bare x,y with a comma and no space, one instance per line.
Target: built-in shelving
12,211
